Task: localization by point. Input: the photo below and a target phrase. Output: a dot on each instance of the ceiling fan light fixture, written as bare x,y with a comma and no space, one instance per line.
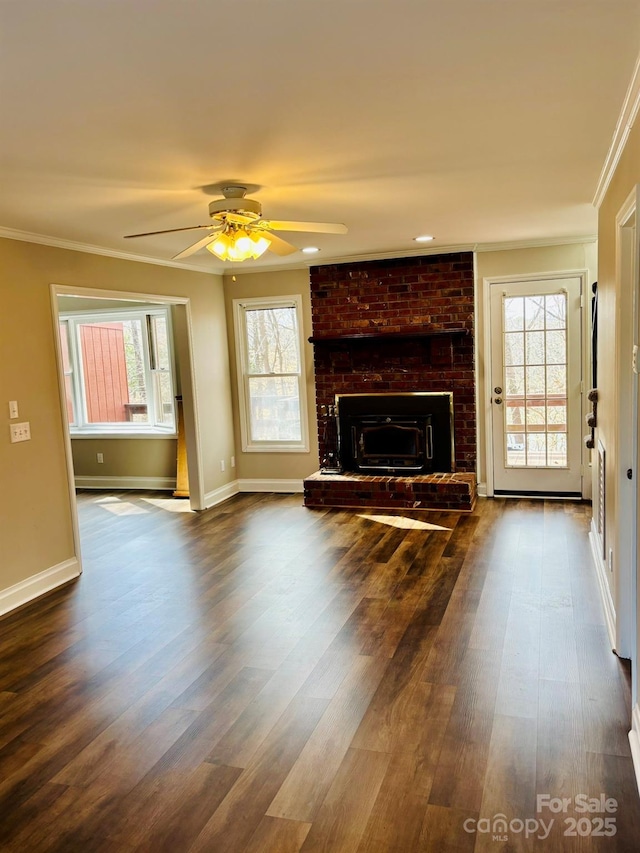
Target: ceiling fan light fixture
238,244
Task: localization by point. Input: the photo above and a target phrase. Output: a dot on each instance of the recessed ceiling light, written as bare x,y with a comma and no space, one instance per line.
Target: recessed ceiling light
425,238
310,250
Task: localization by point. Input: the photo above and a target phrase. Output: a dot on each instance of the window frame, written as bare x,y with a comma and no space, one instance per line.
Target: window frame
82,428
240,309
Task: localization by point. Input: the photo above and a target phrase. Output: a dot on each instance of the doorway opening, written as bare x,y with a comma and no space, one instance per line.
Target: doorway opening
152,354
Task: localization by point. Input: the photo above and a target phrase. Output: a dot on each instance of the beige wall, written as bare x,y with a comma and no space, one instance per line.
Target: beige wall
35,515
276,466
124,457
514,262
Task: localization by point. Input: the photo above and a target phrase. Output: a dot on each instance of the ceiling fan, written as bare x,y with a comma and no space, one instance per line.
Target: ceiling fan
238,231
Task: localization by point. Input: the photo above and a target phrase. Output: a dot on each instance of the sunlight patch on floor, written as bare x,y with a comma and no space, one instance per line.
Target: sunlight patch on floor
116,506
403,523
170,504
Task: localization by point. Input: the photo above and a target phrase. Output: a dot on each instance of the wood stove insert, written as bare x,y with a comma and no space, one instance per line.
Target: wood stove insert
402,434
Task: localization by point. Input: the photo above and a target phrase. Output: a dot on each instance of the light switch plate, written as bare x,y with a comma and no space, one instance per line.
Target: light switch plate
13,408
20,432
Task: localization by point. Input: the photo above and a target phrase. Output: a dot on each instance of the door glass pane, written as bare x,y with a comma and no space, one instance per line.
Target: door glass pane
514,348
535,392
514,314
535,381
535,347
534,312
516,455
514,380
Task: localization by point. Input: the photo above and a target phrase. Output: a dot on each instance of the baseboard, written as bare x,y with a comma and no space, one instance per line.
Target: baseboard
37,585
634,740
603,583
481,490
217,496
281,486
164,484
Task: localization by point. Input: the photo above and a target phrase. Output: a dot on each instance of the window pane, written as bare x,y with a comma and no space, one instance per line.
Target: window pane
515,415
556,305
163,398
535,348
514,348
557,379
67,370
514,314
535,381
558,450
160,339
556,347
274,408
114,371
536,450
514,380
515,450
534,312
272,340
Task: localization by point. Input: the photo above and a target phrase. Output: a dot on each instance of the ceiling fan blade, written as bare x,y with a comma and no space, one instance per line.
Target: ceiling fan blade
167,231
280,246
315,227
195,247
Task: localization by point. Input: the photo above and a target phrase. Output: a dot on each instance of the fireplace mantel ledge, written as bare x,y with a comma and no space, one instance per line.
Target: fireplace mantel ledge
389,336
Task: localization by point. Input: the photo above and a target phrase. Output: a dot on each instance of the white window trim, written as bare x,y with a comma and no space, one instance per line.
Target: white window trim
119,430
240,306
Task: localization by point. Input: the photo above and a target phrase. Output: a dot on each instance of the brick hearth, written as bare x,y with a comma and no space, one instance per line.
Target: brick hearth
422,491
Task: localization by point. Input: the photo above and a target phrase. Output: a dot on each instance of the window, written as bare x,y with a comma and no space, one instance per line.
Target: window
270,374
118,371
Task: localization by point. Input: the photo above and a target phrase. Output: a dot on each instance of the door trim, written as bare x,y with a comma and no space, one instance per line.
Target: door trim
624,538
583,275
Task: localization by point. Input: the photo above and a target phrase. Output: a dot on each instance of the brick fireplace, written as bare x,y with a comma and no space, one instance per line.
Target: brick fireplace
396,326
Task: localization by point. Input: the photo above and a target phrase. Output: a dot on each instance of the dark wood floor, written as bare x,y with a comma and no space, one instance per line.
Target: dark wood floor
271,679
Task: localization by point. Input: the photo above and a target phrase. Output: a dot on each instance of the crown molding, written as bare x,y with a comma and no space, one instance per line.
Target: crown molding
628,113
56,242
535,244
71,245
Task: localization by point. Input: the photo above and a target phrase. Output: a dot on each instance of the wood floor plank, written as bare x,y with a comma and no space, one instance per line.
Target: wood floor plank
344,813
310,778
240,813
275,833
510,786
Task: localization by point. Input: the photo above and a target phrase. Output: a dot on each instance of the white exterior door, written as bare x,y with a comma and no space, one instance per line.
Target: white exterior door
536,383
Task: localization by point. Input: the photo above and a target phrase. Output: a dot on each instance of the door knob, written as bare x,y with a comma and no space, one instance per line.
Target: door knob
498,400
497,390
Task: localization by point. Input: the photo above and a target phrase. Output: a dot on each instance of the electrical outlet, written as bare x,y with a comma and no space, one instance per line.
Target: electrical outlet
222,465
13,409
100,458
233,461
20,432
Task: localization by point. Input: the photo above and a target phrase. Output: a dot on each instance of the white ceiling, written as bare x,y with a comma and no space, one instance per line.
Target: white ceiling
478,121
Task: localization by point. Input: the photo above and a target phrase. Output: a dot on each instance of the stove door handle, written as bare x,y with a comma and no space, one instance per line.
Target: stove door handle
429,442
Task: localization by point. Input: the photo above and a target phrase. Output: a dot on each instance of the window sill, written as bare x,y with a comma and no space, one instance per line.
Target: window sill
102,434
275,448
